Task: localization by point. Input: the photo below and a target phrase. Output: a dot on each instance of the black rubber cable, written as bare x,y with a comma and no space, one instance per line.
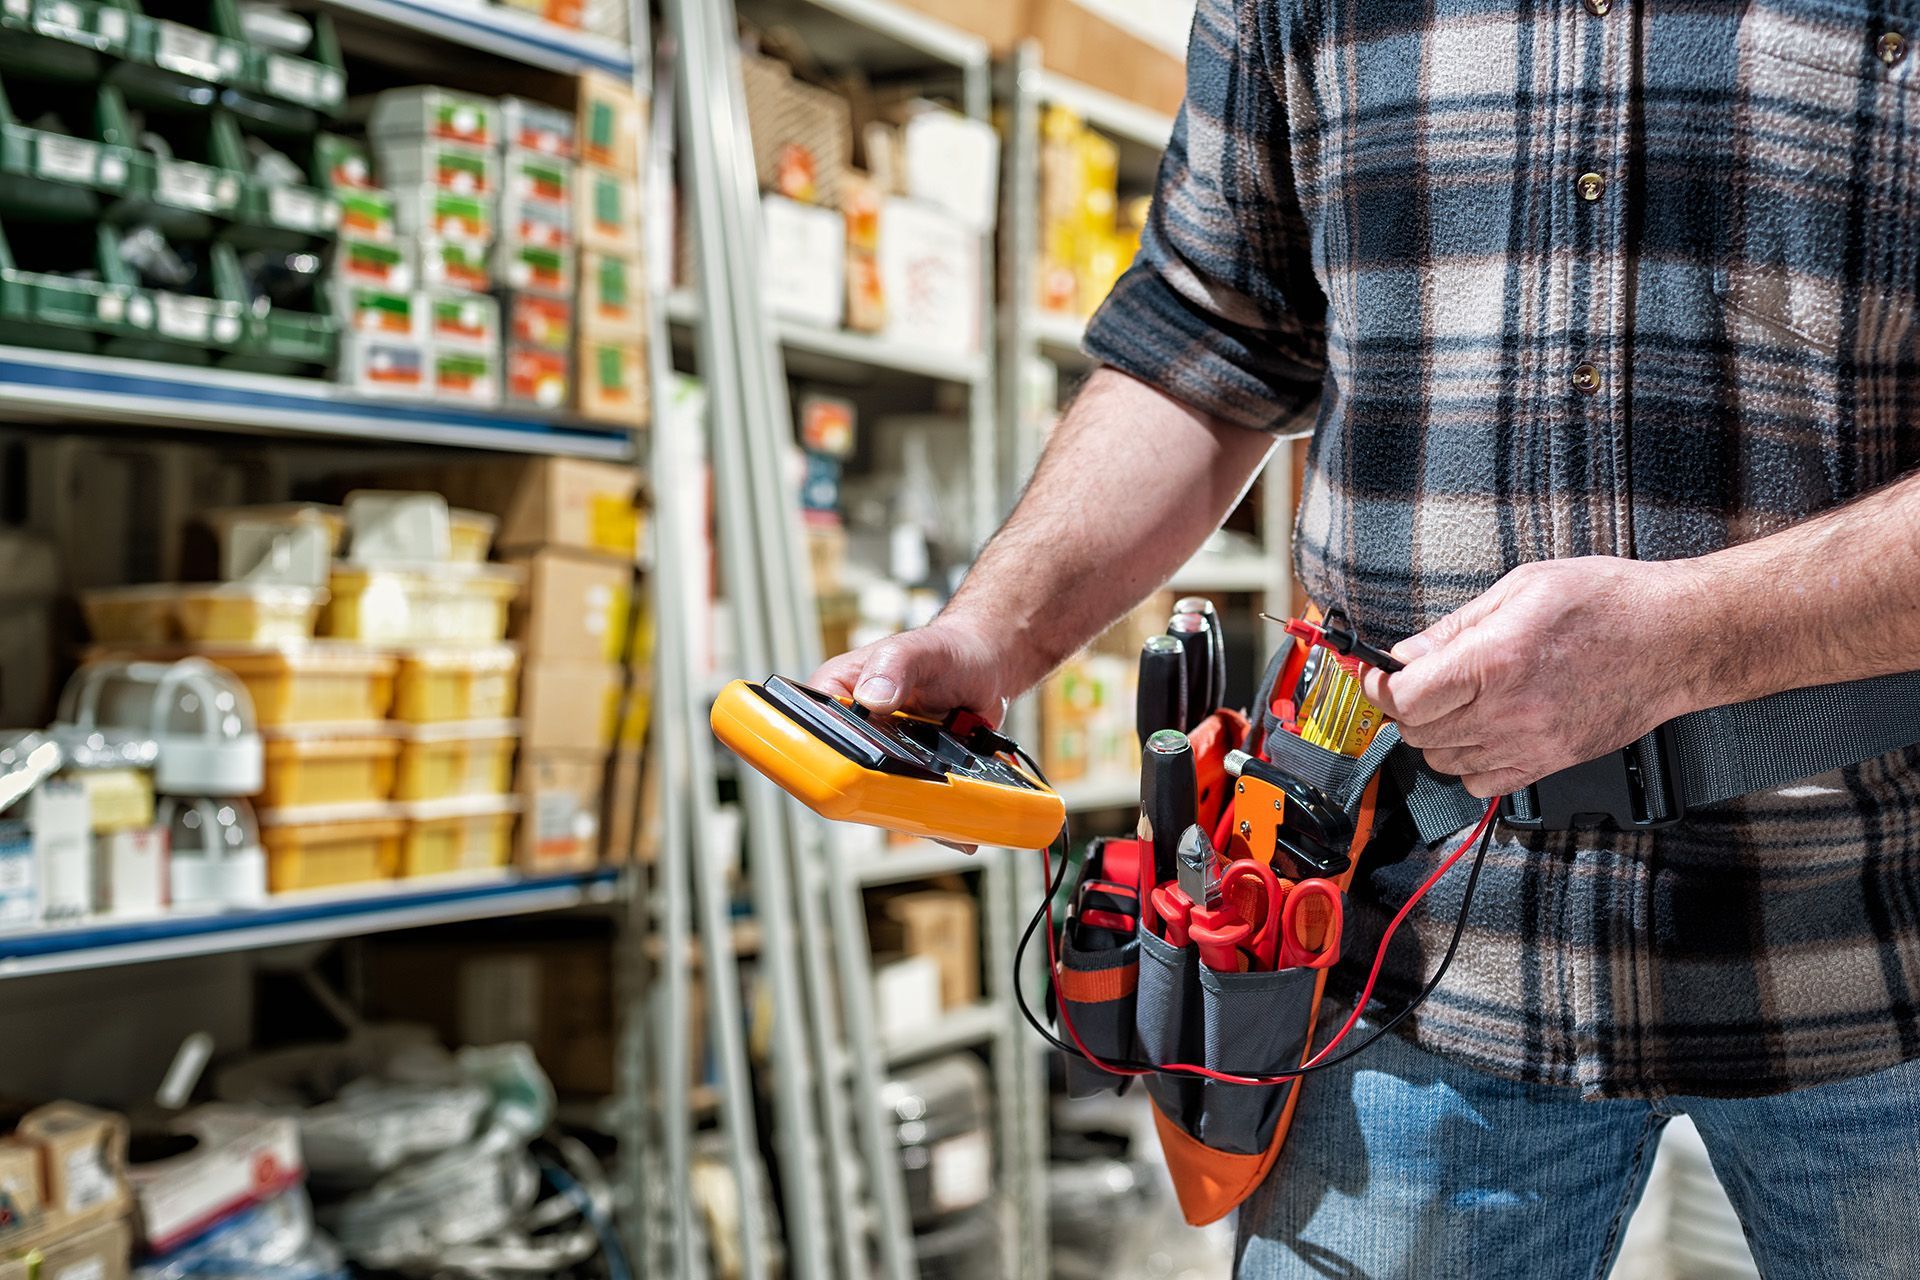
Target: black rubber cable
1262,1075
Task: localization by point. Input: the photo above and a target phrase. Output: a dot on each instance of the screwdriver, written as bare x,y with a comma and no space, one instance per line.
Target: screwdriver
1217,642
1161,701
1196,638
1168,798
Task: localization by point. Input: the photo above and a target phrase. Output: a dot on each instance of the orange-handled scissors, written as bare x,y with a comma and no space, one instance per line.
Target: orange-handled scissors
1310,919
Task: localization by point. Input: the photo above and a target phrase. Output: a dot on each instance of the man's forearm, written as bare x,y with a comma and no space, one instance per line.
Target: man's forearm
1129,486
1834,598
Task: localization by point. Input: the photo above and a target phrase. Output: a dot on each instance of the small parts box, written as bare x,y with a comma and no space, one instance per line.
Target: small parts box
456,759
351,766
221,613
323,847
312,684
464,834
439,685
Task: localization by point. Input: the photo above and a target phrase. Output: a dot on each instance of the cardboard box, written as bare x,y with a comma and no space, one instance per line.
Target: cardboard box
570,706
626,807
806,277
564,502
241,1156
906,995
560,795
802,134
1001,23
60,814
930,274
612,297
611,123
21,1195
131,872
1082,46
102,1252
555,994
612,380
942,925
607,210
574,608
83,1157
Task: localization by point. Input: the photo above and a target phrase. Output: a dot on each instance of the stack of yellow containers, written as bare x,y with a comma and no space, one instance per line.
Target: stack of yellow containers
389,740
1088,234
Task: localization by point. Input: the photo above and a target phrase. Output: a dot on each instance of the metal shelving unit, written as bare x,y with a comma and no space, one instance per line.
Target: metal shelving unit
60,387
771,601
293,921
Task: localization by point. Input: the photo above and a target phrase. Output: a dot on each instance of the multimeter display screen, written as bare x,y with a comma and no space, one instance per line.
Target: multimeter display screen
888,744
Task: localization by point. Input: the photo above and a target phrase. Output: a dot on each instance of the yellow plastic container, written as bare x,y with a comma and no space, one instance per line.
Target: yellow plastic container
458,758
437,685
324,847
332,519
439,604
214,612
444,837
353,766
312,684
472,533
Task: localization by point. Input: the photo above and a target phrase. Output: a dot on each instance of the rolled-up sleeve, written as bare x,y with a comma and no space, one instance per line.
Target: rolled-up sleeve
1221,309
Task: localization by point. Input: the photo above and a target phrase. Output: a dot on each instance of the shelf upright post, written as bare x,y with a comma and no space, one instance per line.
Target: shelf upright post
1025,1094
689,858
786,599
714,137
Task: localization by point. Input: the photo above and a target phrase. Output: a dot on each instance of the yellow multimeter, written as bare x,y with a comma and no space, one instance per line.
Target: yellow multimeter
921,777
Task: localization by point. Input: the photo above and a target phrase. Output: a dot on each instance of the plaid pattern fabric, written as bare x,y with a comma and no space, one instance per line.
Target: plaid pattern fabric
1384,208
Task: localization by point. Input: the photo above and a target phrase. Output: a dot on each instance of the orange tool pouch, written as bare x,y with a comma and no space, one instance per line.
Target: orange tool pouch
1139,998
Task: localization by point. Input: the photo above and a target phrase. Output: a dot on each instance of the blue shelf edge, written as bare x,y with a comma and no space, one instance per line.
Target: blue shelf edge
63,941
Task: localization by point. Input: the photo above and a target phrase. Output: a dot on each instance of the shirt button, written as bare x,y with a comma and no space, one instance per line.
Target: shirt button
1598,8
1891,47
1590,185
1586,379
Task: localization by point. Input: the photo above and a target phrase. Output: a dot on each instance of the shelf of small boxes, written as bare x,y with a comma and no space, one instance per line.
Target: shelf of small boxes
390,703
457,275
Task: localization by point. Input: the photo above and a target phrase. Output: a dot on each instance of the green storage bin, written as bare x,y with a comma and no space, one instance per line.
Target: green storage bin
204,183
43,304
316,82
179,53
60,39
284,340
185,328
60,177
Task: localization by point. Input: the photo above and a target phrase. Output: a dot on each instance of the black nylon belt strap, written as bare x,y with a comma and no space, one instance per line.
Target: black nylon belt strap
1702,758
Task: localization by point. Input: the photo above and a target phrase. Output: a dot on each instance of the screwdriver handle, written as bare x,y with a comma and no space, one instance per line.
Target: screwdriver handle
1216,643
1161,701
1191,630
1169,798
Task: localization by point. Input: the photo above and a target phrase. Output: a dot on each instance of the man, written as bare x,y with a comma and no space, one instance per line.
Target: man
1609,307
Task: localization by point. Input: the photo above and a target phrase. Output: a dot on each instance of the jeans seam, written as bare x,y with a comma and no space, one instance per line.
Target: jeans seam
1605,1263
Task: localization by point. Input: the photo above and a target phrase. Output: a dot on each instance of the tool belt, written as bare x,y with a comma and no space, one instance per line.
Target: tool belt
1132,995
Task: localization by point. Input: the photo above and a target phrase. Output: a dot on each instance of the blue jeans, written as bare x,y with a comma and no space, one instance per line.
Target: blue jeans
1403,1165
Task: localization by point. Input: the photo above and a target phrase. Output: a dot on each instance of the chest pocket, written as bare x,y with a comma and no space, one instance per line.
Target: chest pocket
1824,210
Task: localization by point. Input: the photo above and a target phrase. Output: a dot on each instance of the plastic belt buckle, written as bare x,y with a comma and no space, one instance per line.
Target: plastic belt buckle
1617,787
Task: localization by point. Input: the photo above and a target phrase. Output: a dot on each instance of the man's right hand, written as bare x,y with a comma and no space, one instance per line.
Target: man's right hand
931,671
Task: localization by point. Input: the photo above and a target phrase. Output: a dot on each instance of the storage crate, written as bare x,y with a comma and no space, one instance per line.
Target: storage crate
61,39
45,302
445,604
448,836
345,766
216,612
456,758
329,846
64,176
475,683
316,80
312,684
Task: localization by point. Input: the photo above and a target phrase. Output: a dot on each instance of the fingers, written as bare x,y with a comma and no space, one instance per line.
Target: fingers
887,681
837,676
1431,686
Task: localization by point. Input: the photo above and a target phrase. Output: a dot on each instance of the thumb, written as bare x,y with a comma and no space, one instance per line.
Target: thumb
888,677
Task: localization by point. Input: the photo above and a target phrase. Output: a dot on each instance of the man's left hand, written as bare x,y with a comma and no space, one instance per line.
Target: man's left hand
1560,662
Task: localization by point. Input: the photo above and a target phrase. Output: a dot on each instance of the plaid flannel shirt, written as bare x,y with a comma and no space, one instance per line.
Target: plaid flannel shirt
1594,277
